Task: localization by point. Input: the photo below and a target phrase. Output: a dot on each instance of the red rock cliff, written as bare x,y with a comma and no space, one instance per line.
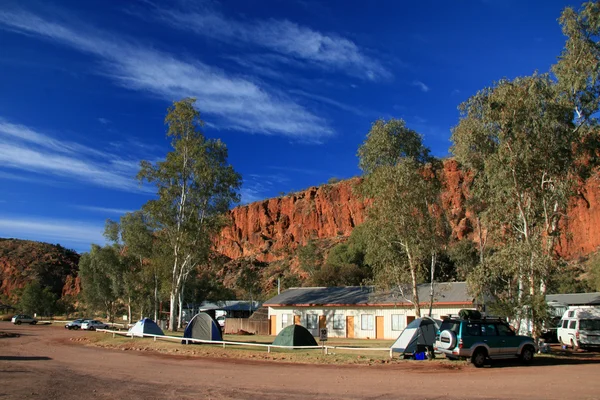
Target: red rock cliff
269,229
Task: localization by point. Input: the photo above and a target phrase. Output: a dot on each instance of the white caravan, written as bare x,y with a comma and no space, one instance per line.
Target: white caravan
580,328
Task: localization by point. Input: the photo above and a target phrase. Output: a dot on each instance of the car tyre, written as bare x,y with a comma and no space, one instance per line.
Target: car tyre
18,322
478,358
33,322
76,327
527,355
573,346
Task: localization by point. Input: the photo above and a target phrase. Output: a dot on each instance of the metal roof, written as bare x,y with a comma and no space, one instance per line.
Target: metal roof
575,299
451,292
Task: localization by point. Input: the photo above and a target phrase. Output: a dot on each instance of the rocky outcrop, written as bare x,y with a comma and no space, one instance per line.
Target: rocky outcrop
268,230
272,229
23,261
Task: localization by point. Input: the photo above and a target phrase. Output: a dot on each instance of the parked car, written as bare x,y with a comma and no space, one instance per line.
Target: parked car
580,328
75,324
221,321
482,339
550,332
23,319
92,325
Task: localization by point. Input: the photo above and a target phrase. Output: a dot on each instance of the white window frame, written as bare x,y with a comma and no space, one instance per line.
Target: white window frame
398,319
341,319
315,321
370,322
286,320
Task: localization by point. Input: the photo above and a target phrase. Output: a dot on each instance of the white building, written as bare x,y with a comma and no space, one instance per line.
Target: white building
359,311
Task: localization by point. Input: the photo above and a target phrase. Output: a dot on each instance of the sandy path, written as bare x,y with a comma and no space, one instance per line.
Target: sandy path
42,364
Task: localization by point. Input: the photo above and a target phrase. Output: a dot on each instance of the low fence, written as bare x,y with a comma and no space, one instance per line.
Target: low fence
225,343
234,325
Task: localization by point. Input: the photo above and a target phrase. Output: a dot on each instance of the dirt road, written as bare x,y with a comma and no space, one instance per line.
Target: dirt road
43,363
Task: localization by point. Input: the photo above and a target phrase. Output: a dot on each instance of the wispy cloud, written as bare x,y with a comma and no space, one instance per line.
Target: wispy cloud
104,210
103,121
52,230
421,85
237,103
25,149
331,102
324,50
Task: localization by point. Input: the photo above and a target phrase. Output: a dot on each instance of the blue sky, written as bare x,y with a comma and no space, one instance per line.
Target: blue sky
291,87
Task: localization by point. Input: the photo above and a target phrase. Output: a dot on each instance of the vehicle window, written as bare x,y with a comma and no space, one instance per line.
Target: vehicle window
472,329
571,314
589,324
504,330
453,326
572,324
565,323
488,330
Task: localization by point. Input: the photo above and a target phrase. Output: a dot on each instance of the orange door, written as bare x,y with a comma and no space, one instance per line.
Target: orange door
297,320
379,327
273,327
349,327
409,319
322,322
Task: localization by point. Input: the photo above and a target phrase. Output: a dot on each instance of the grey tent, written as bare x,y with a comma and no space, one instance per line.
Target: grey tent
295,335
204,327
419,335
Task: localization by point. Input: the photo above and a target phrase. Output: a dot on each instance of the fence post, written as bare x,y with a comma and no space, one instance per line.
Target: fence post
155,338
223,344
391,354
268,349
113,335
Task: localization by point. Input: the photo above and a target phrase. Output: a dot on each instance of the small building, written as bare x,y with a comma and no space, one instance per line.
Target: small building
361,311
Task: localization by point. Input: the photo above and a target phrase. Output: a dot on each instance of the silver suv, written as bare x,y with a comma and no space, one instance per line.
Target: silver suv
23,319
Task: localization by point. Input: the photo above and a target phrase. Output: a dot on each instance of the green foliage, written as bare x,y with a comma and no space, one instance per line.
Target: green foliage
465,257
389,141
37,300
195,188
570,278
333,180
101,273
310,257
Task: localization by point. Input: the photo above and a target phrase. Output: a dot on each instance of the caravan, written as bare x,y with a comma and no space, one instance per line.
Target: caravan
580,328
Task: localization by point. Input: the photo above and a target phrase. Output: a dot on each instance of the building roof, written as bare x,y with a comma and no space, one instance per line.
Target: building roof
444,293
229,305
575,299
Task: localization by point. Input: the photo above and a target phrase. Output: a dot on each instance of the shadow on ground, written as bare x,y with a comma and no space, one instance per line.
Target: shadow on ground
24,358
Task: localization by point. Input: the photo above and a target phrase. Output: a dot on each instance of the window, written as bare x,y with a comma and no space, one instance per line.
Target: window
472,330
589,324
572,324
450,325
565,323
366,322
397,322
286,320
571,314
312,321
339,321
488,330
504,330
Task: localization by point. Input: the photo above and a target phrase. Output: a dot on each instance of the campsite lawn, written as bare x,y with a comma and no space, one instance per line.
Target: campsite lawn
232,351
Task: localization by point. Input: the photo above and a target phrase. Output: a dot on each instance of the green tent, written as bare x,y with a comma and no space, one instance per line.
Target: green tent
295,335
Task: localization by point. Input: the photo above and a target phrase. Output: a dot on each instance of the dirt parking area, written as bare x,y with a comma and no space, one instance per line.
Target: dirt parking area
49,362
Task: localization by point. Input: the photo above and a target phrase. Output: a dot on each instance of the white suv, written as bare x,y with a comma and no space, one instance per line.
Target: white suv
92,325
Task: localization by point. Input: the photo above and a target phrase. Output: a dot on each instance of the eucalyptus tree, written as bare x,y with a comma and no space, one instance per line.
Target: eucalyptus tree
195,187
403,228
529,142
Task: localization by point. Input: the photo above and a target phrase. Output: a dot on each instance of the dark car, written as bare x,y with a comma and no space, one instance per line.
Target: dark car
482,339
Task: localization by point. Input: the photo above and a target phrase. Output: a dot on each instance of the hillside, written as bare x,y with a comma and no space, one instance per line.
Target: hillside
22,261
271,229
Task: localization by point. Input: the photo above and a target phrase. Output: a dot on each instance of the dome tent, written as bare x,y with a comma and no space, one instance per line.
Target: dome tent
418,335
145,327
295,335
202,326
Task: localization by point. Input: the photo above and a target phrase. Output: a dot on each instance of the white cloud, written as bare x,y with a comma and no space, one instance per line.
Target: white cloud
421,85
105,210
237,103
51,230
329,51
103,121
24,149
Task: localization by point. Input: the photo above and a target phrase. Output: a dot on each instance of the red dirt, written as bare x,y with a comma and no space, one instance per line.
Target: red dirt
44,363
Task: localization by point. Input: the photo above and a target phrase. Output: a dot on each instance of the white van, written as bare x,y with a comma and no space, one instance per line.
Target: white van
580,328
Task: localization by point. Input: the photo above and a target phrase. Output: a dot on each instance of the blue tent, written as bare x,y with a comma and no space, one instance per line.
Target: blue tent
145,327
204,327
